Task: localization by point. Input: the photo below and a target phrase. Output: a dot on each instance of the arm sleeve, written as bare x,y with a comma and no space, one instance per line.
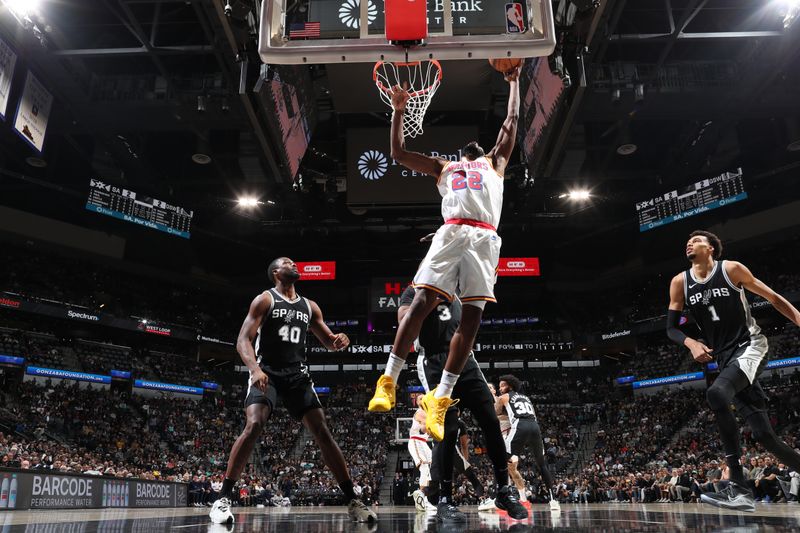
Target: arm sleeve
675,334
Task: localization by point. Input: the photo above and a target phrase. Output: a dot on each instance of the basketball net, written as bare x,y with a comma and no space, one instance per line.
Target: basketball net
422,78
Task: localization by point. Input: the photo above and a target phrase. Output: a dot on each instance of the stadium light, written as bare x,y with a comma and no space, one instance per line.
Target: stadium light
789,10
248,201
579,195
23,8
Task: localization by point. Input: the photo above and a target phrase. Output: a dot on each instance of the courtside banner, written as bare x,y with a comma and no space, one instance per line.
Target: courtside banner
668,380
167,387
11,360
35,489
625,379
518,266
783,363
316,270
56,373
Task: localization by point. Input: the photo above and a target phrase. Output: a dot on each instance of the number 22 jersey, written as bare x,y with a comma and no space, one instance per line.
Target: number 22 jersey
281,338
471,190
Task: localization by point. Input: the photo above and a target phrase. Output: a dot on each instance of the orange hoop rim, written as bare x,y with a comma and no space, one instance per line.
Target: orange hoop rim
419,92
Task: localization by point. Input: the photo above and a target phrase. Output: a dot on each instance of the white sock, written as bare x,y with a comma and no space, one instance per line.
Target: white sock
446,384
393,367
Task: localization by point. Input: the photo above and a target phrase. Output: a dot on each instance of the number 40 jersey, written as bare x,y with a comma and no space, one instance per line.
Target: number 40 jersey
519,406
281,338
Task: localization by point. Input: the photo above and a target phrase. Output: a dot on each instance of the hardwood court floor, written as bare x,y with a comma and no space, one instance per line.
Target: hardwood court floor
596,518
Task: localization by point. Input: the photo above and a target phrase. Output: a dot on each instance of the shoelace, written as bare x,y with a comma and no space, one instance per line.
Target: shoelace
387,386
224,504
441,414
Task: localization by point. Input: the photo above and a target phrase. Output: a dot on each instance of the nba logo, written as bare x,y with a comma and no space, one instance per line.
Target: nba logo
515,20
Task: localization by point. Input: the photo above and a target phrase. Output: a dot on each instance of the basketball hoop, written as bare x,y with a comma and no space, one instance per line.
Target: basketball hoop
422,78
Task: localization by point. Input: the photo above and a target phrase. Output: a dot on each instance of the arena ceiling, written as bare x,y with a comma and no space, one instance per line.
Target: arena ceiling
142,85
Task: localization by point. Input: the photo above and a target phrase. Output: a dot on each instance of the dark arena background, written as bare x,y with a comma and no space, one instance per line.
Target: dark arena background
153,165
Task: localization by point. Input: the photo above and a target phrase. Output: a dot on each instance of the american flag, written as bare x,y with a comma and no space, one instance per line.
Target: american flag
303,29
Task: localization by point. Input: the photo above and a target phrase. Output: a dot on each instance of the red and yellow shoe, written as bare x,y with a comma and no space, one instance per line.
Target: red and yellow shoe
384,398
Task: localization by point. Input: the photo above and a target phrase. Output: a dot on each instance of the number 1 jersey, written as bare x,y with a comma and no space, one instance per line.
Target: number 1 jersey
281,338
720,309
471,190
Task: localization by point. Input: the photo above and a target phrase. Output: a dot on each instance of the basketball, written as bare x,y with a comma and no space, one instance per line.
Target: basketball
506,64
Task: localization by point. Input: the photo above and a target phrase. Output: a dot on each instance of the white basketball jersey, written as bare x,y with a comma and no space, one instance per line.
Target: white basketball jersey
471,190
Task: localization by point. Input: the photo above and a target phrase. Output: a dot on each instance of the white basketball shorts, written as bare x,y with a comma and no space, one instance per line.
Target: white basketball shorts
464,259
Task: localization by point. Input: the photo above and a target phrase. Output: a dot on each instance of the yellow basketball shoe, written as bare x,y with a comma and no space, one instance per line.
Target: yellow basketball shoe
435,411
384,398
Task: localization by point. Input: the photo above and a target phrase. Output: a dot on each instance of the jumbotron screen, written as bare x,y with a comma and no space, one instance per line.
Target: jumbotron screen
691,200
132,207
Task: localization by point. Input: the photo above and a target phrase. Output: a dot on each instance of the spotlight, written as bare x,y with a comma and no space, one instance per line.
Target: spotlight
201,104
616,94
23,8
226,106
248,201
790,11
579,195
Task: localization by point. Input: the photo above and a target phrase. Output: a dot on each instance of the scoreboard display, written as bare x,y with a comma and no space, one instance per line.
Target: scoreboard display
127,205
691,200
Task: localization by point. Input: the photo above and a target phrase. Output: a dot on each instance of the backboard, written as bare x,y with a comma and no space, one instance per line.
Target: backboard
351,31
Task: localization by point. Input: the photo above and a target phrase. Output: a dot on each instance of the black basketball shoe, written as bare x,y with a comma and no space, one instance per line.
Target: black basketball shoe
731,497
448,513
508,501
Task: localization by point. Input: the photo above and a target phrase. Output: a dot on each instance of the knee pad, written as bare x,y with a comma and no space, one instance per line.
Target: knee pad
718,399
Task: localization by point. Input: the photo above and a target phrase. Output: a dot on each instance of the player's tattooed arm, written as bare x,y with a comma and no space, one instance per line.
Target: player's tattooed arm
741,276
416,161
334,342
247,335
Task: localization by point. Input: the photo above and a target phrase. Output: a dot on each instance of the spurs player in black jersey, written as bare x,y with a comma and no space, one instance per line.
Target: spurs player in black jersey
272,344
524,434
714,292
470,391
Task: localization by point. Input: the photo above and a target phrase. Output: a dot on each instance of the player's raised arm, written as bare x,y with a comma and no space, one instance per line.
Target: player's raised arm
334,342
740,275
700,352
508,133
247,334
416,161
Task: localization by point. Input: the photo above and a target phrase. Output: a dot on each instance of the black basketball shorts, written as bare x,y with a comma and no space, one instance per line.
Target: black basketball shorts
292,384
750,359
471,389
525,435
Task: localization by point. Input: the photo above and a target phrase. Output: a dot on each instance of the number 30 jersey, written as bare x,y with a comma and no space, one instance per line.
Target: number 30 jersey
471,190
519,406
281,338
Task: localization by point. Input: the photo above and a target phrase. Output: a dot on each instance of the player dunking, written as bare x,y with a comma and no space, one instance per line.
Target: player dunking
714,292
524,433
464,253
272,345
